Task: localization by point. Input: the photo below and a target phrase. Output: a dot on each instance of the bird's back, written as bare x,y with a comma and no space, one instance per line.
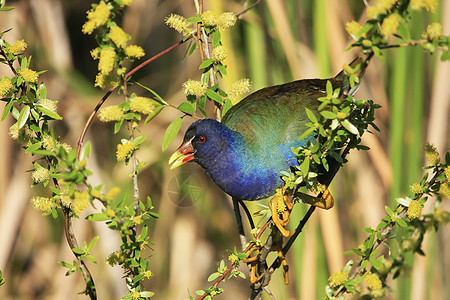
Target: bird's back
276,115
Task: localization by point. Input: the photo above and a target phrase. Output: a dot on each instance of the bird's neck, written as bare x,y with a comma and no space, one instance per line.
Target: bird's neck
240,172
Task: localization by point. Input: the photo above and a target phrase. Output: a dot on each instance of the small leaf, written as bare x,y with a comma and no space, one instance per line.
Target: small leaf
401,223
78,251
33,147
329,88
187,108
42,91
328,114
389,211
117,126
155,112
147,294
216,38
197,19
377,263
311,115
214,96
46,111
206,63
23,116
92,243
307,133
98,217
7,109
213,276
171,133
139,140
85,150
349,126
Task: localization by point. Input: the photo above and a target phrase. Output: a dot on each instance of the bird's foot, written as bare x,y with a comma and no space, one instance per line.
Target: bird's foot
326,201
281,208
255,260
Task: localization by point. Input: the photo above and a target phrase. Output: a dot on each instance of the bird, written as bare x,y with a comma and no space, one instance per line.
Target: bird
246,152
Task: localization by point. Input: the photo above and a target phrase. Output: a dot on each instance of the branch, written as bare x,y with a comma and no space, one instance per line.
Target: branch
383,236
72,241
233,265
109,92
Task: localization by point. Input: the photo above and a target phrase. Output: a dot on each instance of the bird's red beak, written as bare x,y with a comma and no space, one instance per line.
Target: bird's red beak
183,154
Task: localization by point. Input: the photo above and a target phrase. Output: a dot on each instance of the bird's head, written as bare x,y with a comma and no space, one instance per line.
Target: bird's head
203,142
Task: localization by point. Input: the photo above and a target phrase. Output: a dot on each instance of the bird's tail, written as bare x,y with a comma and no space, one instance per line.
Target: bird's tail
359,64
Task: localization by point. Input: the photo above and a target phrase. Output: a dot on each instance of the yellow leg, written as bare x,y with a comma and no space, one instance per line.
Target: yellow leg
324,202
280,218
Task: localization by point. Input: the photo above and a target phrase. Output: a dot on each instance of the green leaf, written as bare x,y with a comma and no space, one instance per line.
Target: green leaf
328,114
98,217
206,63
213,95
349,126
78,251
42,91
307,133
329,88
216,38
92,243
171,133
389,211
155,112
23,116
377,263
46,111
214,276
66,264
139,140
187,107
33,147
196,19
147,294
228,104
304,166
117,126
311,115
7,109
401,222
155,215
85,150
222,69
91,258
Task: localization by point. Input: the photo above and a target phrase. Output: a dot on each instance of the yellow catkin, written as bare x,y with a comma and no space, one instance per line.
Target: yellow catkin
414,210
373,282
337,278
134,51
111,113
118,36
17,47
5,86
29,75
194,87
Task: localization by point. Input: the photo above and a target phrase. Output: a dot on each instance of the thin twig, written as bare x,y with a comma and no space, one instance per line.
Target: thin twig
109,92
233,265
384,235
72,241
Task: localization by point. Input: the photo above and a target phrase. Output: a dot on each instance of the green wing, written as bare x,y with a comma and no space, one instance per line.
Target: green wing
276,115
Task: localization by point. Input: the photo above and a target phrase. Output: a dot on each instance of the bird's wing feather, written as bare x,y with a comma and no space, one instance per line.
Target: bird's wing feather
275,115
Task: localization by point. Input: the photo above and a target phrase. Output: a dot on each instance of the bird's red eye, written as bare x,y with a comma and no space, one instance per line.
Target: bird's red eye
202,139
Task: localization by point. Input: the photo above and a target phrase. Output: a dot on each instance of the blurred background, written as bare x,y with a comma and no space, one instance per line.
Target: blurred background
276,42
